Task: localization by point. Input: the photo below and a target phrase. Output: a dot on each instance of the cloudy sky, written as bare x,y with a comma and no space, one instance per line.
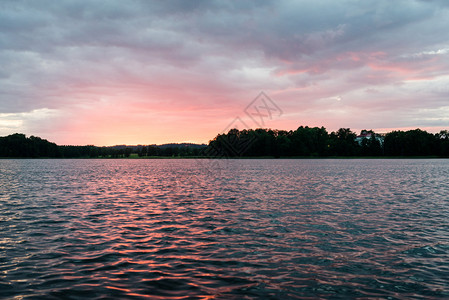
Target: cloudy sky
144,72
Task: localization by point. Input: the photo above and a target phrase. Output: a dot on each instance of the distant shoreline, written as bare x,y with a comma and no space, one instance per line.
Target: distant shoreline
231,158
303,143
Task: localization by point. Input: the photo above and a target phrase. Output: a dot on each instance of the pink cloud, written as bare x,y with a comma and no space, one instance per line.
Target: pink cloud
139,73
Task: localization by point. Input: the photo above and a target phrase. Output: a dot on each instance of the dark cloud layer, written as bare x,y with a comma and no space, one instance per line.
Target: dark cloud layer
208,59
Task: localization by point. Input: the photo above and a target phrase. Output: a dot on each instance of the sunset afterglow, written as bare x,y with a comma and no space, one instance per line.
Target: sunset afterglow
142,72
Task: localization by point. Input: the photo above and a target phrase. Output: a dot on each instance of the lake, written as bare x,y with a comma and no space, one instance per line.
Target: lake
224,229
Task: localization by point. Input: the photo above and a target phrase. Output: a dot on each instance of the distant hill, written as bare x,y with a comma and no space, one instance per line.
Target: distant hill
20,146
163,146
183,145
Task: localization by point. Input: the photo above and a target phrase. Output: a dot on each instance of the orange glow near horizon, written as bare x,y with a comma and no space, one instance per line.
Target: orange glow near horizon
137,73
114,121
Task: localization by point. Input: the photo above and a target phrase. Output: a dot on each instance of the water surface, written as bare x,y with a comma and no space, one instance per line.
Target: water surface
228,229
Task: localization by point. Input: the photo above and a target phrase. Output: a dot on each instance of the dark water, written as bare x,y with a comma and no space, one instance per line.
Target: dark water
225,229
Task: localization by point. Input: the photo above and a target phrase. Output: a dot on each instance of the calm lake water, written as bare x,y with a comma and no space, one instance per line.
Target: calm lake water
225,229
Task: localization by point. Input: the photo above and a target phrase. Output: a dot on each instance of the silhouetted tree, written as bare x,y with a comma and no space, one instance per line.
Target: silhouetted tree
443,143
343,143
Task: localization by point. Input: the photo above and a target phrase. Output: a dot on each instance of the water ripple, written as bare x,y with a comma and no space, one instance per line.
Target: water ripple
178,229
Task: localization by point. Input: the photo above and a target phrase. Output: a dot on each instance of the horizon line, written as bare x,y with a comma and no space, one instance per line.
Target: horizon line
382,131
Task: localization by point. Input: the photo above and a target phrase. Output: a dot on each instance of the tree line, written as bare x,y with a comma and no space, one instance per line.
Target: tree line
302,142
317,142
20,146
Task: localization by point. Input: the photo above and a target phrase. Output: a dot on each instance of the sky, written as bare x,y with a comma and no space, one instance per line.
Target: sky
153,72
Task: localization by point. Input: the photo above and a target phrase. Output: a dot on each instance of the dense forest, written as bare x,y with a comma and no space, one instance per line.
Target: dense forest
307,141
303,142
